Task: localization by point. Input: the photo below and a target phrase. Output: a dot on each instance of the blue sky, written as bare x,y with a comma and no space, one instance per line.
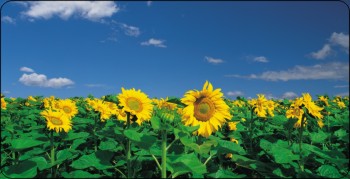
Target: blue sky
280,49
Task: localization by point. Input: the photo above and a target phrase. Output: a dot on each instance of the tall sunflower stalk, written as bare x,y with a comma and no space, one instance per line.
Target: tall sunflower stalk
135,104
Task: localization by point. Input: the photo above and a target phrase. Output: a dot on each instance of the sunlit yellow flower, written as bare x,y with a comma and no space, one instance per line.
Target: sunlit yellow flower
30,98
13,99
3,103
57,121
270,105
162,103
205,108
259,105
136,103
113,108
341,104
296,111
27,104
312,108
298,123
233,125
229,155
323,99
68,107
100,106
238,103
234,140
243,119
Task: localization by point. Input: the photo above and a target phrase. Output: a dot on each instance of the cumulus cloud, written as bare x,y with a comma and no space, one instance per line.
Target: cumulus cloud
235,93
8,19
130,30
91,10
149,3
154,42
323,53
341,86
261,59
213,60
41,80
340,39
328,71
95,85
336,39
289,95
26,69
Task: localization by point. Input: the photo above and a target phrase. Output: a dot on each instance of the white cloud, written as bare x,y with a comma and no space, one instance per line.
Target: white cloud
8,19
340,39
323,53
343,94
261,59
149,3
95,85
235,93
26,69
154,42
289,95
341,86
130,30
41,80
213,60
91,10
328,71
6,92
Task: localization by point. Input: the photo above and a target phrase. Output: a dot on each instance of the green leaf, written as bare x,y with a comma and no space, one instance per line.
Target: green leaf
20,144
318,137
155,121
226,174
77,142
181,164
282,155
142,140
342,135
109,145
99,160
26,169
80,174
31,153
40,162
328,171
228,146
72,136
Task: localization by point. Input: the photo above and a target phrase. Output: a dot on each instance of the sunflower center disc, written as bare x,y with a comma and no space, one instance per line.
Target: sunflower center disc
134,104
67,109
203,109
56,121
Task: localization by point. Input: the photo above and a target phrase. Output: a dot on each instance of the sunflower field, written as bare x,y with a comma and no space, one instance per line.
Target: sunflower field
201,135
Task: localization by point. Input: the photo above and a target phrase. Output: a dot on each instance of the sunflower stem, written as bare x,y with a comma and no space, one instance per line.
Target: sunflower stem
164,139
52,157
251,131
301,163
128,147
95,140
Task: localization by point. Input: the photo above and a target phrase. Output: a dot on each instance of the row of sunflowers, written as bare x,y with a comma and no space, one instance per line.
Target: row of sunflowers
200,135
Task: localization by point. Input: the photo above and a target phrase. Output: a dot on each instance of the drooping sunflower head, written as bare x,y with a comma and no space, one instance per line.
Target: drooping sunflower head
57,121
30,98
136,103
205,108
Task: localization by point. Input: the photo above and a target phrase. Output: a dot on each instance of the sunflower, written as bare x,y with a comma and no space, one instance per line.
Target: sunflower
136,103
259,105
205,108
296,111
233,125
30,98
3,103
68,107
57,120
